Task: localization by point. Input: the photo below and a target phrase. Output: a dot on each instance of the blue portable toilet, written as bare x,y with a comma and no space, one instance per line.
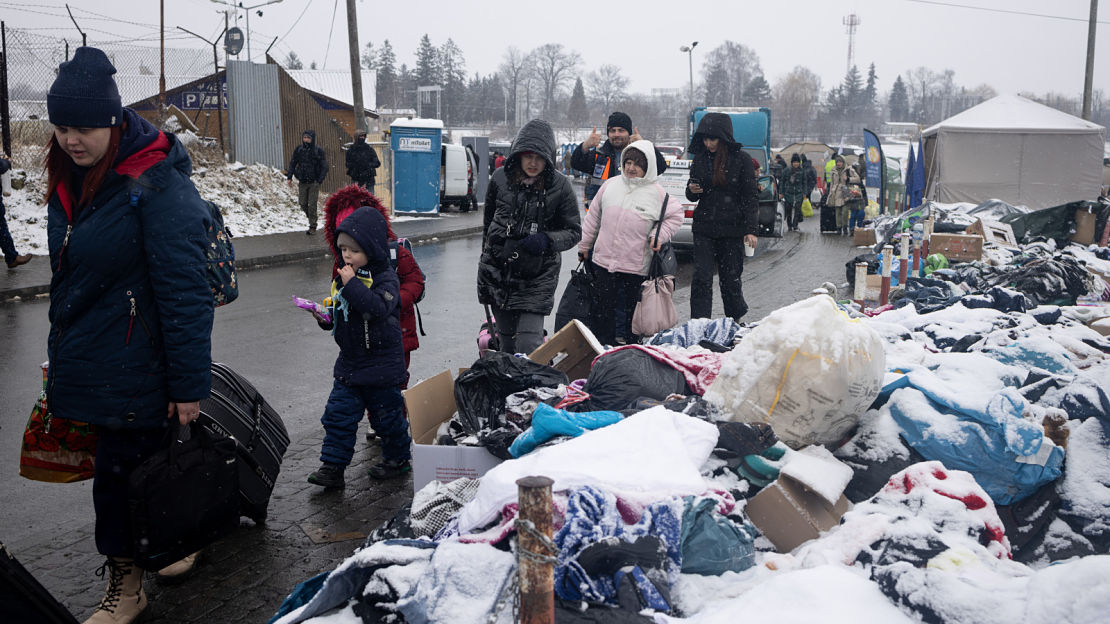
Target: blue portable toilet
416,150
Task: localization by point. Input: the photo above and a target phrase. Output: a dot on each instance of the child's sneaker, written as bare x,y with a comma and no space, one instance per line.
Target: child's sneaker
328,475
390,469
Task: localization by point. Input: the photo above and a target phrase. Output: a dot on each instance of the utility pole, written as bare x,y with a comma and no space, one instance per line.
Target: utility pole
1090,74
356,67
162,61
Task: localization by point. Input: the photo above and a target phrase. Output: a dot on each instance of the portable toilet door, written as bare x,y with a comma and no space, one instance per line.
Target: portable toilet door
416,159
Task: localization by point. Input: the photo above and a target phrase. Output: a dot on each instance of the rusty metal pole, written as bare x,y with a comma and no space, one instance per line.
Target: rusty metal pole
861,284
888,260
537,575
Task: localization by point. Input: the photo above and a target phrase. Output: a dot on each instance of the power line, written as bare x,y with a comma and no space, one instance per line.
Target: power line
298,20
990,10
330,32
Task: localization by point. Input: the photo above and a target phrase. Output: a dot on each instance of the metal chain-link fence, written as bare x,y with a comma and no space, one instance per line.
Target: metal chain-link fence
32,61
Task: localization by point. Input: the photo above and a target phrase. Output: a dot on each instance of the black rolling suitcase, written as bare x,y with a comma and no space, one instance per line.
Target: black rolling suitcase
828,218
23,598
235,409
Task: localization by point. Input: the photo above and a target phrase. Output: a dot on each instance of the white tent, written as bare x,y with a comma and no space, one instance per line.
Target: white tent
1016,150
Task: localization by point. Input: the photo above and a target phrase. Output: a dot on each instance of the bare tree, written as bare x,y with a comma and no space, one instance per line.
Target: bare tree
607,85
554,65
513,71
727,70
796,97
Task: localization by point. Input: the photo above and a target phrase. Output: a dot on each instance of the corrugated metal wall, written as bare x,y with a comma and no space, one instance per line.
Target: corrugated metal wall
300,112
255,114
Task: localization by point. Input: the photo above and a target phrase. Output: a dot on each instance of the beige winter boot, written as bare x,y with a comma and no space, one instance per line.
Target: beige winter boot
124,599
178,570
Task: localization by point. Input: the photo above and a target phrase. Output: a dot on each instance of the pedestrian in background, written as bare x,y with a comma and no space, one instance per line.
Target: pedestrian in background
365,319
127,238
723,183
601,161
531,216
842,181
12,257
362,162
857,206
618,235
310,165
792,190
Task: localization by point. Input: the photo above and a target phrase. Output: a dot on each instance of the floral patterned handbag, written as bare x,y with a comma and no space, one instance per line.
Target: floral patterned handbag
56,450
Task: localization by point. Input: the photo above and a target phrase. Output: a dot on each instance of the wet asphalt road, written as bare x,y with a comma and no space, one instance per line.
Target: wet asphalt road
283,352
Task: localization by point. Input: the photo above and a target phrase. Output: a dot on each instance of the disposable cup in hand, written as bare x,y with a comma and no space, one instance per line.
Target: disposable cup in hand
749,251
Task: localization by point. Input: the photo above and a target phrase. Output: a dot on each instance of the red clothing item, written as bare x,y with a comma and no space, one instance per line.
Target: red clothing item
412,284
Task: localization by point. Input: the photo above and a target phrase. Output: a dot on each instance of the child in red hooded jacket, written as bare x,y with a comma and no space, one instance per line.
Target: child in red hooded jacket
342,203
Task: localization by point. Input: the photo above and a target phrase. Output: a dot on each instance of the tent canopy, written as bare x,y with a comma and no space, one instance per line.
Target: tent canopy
1016,150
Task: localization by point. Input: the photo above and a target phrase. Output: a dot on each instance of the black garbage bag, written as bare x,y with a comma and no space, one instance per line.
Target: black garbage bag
480,391
620,377
872,260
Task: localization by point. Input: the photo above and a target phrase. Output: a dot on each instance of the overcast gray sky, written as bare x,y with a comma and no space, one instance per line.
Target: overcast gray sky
1010,52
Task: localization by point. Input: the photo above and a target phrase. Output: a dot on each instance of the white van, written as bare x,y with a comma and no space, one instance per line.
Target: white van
456,177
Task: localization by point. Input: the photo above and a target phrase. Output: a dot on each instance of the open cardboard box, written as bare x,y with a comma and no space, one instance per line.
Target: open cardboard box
789,512
431,403
571,350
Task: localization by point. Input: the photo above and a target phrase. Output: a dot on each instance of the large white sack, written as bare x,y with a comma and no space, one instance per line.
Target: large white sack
649,456
808,370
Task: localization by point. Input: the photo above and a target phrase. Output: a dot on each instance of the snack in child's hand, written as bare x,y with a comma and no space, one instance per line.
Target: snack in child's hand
310,305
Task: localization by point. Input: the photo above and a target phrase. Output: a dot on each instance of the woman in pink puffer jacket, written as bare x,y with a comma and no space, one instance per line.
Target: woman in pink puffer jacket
618,238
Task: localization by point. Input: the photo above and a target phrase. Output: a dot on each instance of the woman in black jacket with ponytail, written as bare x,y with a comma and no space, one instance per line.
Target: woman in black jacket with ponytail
722,181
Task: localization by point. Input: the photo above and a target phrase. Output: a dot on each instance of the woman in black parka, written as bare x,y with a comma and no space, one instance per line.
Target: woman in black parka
723,183
531,216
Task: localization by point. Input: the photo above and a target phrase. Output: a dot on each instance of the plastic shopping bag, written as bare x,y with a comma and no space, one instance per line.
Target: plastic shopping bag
808,370
807,208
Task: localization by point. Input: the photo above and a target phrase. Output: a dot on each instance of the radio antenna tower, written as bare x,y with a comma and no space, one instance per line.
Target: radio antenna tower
850,22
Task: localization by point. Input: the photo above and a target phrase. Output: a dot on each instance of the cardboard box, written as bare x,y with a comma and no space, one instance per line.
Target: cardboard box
572,350
992,231
431,403
788,513
1084,226
864,236
957,247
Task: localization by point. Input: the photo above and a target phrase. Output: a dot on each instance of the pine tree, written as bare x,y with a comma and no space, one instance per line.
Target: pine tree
427,71
452,71
717,92
758,92
577,112
387,77
871,90
899,101
292,61
852,90
369,56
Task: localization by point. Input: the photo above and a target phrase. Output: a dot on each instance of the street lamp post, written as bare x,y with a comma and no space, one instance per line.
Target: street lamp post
248,11
690,52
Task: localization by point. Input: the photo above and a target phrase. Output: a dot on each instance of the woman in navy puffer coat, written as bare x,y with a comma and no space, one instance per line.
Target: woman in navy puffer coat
130,306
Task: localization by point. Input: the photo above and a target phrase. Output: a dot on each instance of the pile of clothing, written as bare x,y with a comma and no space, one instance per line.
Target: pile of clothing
973,425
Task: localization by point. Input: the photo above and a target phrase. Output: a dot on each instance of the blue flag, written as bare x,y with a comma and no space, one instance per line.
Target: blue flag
919,173
910,166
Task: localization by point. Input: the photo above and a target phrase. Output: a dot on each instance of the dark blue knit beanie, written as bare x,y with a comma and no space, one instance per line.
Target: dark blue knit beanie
84,95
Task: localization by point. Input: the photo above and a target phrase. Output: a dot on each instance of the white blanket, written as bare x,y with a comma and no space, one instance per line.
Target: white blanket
651,455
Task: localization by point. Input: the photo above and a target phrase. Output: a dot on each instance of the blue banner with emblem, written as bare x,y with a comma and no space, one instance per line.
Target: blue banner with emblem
873,159
874,163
